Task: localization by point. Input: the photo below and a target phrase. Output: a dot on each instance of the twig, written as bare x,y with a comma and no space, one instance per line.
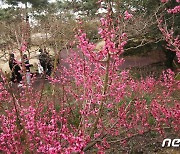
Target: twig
137,134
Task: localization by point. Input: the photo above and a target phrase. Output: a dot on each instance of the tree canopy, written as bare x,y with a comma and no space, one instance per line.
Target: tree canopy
35,3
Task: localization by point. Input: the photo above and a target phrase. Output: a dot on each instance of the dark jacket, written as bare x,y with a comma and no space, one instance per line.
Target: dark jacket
27,65
44,58
14,66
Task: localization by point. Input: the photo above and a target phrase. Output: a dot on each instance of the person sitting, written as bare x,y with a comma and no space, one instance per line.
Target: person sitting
15,69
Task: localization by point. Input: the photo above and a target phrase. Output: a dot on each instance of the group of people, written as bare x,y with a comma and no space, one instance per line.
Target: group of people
15,67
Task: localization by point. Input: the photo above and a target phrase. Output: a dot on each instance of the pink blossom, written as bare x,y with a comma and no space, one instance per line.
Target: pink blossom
164,1
127,15
23,47
175,10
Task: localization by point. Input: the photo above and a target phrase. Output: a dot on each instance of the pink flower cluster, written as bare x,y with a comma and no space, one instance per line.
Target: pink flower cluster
47,134
175,10
23,47
164,1
127,15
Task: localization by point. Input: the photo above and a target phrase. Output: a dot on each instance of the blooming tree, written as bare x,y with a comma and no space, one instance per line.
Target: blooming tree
94,106
173,41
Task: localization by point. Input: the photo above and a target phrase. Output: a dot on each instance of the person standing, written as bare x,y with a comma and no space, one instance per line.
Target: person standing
27,66
15,69
45,62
